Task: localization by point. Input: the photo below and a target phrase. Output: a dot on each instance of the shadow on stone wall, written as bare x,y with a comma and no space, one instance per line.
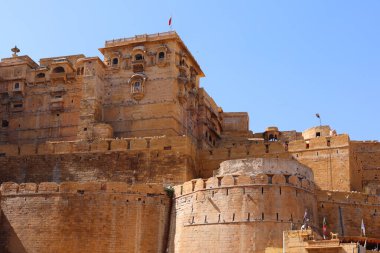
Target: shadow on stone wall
9,241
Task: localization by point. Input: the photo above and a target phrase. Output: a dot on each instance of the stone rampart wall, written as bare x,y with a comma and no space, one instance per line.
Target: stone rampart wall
329,158
210,159
320,143
365,163
344,212
160,160
83,217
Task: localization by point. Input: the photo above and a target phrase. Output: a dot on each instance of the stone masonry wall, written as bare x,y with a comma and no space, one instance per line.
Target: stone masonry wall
344,212
83,217
210,159
242,214
329,158
160,160
365,164
48,107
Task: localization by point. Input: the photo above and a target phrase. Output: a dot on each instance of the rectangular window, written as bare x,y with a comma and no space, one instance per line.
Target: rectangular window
4,123
16,86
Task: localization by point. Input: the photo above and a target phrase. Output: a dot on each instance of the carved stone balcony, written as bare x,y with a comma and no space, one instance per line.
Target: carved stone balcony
57,91
162,62
182,79
182,97
56,105
192,104
58,77
19,91
182,68
193,80
138,66
182,76
138,95
39,79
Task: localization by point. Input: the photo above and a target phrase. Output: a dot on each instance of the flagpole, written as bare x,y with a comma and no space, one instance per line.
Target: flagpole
170,22
362,229
319,117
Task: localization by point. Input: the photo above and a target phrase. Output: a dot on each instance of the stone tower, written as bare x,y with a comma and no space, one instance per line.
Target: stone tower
152,86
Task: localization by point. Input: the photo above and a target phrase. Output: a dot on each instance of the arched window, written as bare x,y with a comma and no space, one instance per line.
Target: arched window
161,55
272,137
17,86
139,57
59,70
40,75
115,61
137,87
137,84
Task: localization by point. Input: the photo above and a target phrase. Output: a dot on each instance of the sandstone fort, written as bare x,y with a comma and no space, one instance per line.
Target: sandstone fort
129,154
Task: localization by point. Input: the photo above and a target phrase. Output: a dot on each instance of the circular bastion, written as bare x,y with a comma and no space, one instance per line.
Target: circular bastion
245,207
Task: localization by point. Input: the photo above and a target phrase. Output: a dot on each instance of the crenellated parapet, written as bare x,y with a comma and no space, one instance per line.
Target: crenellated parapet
11,189
249,149
181,144
320,143
240,181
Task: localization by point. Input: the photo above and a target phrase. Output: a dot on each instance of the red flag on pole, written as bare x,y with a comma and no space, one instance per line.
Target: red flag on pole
324,228
170,21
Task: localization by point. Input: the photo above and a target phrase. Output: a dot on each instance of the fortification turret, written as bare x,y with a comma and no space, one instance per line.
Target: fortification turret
318,131
248,203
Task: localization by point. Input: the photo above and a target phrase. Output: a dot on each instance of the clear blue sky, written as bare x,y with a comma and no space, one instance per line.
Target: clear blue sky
282,61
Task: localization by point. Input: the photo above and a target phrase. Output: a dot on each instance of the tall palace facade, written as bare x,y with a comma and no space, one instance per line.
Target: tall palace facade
129,154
